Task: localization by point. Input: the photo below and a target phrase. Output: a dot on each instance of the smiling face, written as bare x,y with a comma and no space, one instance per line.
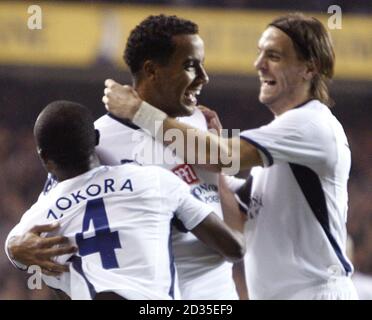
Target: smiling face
176,85
285,79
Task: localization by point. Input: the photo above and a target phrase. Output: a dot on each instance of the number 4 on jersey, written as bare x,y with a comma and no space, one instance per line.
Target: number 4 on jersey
105,242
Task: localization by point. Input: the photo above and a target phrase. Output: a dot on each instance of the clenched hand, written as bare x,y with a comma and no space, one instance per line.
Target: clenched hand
121,101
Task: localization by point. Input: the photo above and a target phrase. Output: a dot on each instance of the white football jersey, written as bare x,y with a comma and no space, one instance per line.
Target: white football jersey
296,232
120,220
202,273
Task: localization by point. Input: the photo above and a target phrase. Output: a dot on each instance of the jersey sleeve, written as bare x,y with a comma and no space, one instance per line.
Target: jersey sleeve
292,137
176,193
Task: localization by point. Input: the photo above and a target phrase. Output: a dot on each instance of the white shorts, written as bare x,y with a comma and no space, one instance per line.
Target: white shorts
335,289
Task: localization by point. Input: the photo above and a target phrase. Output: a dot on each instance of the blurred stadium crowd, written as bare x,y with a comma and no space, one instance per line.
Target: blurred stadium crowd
22,176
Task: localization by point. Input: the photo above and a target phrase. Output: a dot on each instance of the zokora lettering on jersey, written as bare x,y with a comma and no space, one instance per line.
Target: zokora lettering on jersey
93,190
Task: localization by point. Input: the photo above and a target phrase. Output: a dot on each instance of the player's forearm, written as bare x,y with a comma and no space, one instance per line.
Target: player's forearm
194,145
217,235
124,102
240,280
232,215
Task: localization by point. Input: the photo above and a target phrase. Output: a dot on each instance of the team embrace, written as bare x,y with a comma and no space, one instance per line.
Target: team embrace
132,227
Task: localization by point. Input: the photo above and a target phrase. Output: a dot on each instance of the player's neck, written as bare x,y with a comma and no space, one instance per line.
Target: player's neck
62,174
150,94
283,106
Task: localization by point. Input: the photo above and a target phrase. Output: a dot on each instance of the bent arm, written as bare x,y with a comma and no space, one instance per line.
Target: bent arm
235,218
217,152
203,148
124,102
217,235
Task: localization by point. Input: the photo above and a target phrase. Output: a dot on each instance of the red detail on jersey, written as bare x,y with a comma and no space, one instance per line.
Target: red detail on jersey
186,173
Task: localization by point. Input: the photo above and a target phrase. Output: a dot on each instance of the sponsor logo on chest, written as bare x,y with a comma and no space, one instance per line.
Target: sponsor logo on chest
186,173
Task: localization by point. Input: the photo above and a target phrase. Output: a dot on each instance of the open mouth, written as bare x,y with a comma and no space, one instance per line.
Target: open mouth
191,96
268,82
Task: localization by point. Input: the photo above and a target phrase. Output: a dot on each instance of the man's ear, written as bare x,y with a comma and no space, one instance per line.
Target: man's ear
97,136
48,164
149,69
310,71
41,154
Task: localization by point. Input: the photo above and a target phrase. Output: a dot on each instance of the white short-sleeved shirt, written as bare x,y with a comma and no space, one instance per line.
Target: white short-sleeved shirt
297,210
202,273
120,219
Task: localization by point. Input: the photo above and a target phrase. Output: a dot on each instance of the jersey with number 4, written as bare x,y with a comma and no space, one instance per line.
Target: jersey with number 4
120,220
203,274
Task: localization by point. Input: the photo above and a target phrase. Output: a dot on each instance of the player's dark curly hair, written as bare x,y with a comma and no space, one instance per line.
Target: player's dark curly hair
312,43
64,131
152,40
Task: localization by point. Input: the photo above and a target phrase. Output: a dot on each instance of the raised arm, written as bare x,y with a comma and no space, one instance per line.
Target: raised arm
124,102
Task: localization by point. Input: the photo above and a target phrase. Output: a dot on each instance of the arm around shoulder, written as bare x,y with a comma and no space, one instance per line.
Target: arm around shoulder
246,152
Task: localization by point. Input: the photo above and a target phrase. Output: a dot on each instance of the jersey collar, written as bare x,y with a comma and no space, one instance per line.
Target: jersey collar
126,122
304,103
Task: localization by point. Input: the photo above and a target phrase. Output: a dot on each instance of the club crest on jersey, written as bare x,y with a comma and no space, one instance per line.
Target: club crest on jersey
255,206
186,173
